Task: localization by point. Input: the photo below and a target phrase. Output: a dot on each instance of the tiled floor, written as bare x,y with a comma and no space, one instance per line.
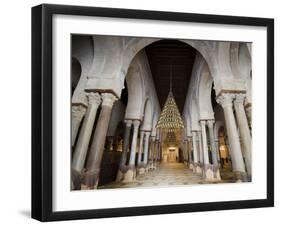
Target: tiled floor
167,174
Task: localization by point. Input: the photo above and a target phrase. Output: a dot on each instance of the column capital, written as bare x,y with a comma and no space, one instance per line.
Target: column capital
147,133
108,99
128,122
239,99
78,110
226,99
94,98
136,123
202,122
210,123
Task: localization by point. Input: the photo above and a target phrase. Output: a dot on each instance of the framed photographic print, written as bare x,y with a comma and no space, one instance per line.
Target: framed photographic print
147,112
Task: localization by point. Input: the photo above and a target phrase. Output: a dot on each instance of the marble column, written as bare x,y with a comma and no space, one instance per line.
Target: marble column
81,148
189,151
140,147
151,151
210,124
131,172
77,113
200,145
197,167
156,153
244,130
225,100
97,146
208,171
146,144
126,141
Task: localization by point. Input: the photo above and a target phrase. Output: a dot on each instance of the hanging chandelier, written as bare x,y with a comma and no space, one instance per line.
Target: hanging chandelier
170,118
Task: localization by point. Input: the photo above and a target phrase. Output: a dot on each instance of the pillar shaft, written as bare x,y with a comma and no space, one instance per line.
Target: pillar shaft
136,124
210,124
204,143
126,143
146,143
97,146
234,144
201,155
195,150
77,113
80,151
189,140
244,130
141,147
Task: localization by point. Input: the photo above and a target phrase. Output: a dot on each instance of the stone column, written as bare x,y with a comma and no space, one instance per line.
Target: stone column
131,172
146,144
208,171
97,146
156,149
214,152
201,155
210,124
77,113
151,151
189,142
225,100
244,131
141,147
81,148
197,168
126,141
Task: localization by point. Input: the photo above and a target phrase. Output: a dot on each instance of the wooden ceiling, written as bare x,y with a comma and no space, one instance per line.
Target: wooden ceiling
170,55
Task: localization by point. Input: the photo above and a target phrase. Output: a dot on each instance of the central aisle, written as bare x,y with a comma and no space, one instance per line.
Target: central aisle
166,174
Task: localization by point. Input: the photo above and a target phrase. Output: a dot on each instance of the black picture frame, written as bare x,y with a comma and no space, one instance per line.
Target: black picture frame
42,111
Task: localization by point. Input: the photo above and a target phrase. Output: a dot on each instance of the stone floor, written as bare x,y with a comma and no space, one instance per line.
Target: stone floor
169,174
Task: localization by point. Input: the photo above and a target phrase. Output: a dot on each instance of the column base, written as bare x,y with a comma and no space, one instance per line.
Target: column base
76,180
151,166
141,168
191,166
91,180
121,172
217,174
241,176
197,168
208,173
130,175
211,173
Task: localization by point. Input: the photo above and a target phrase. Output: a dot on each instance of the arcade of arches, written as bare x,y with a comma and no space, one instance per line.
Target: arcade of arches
119,88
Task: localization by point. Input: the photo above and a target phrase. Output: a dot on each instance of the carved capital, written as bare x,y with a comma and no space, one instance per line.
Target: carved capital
108,99
142,133
203,123
239,99
136,124
210,124
78,111
226,99
94,98
128,122
147,134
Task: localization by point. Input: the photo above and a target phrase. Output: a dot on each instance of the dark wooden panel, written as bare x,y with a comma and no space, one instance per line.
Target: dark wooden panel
164,55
